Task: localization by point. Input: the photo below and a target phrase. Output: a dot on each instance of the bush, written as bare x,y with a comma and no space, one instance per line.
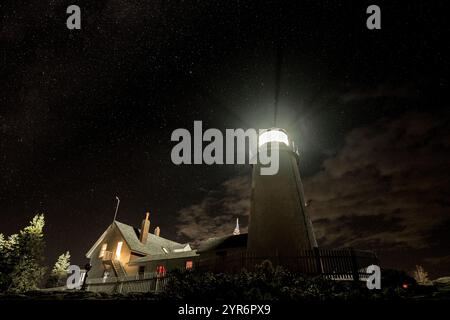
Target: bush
266,283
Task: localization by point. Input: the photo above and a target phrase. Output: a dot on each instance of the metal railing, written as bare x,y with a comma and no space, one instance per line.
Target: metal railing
336,264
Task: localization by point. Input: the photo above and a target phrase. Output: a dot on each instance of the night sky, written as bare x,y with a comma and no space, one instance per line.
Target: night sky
86,115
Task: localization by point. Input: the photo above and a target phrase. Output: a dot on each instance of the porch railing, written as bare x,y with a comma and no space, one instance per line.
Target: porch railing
107,255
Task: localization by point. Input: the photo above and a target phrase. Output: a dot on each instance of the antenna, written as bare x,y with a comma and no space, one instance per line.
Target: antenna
278,43
277,82
117,208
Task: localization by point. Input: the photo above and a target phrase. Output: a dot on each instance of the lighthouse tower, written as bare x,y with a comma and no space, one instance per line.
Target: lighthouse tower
279,222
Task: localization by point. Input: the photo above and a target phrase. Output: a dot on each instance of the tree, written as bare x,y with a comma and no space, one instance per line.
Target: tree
421,275
3,262
9,257
59,271
21,257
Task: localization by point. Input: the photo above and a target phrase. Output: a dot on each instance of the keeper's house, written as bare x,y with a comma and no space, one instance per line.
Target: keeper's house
123,250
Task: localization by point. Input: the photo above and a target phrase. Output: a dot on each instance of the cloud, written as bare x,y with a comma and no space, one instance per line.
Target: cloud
381,91
215,215
444,260
386,188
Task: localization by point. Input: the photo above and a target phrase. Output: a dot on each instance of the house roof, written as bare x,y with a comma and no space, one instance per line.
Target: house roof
153,246
225,242
170,255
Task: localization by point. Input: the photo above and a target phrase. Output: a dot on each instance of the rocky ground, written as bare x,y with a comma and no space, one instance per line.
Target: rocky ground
75,295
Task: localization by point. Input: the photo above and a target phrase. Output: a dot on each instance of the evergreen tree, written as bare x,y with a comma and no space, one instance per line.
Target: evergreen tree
3,265
59,271
25,255
9,256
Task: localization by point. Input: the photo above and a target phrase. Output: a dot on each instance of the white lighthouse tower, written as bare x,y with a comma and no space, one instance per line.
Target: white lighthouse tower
279,222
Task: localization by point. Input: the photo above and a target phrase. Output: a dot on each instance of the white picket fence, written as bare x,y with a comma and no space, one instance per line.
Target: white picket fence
147,282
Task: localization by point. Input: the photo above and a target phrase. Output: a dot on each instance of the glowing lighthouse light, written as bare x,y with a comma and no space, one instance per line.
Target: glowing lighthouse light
275,135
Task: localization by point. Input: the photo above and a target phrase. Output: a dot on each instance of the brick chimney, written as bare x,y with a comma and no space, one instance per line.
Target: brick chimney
157,231
145,227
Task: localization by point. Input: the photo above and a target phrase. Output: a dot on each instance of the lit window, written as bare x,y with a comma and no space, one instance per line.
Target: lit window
105,275
189,264
119,249
161,270
103,250
273,136
165,250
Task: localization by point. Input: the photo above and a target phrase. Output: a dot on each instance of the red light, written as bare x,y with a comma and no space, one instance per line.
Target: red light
161,271
405,286
189,264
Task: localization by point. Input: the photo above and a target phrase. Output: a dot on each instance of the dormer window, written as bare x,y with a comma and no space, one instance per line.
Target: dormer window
103,250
